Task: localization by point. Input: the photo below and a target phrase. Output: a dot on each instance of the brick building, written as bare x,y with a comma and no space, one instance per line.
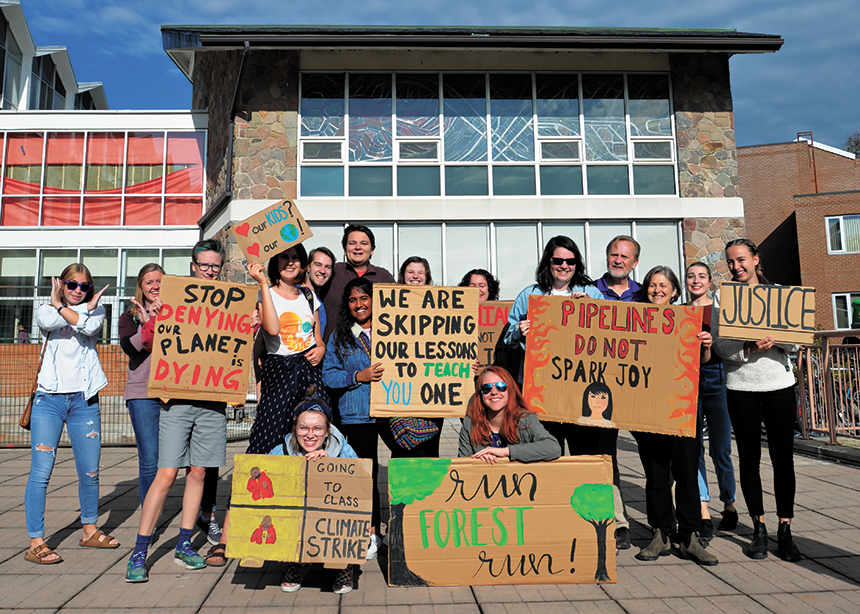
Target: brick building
802,204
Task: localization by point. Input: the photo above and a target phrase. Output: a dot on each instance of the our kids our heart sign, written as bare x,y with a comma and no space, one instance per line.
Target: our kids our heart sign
271,231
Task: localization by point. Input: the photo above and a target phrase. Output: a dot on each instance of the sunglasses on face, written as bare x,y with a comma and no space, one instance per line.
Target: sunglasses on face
488,388
561,261
72,285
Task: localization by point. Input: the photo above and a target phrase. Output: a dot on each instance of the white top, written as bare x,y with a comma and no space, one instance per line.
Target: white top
297,325
759,371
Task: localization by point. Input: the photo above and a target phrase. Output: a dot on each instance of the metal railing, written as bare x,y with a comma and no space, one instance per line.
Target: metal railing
829,386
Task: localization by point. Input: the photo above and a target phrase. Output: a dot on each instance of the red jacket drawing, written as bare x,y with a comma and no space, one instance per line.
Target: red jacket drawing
261,488
261,534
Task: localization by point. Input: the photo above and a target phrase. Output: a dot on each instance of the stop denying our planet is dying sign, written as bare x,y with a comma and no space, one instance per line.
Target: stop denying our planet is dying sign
271,231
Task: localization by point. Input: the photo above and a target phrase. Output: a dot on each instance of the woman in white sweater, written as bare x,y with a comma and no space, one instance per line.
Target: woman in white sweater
760,389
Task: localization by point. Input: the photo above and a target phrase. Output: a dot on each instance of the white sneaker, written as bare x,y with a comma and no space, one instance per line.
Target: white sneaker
373,548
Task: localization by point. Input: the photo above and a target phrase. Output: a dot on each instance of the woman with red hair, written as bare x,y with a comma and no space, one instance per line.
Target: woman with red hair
499,424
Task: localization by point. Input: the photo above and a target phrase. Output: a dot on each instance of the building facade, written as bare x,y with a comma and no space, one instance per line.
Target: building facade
472,146
802,203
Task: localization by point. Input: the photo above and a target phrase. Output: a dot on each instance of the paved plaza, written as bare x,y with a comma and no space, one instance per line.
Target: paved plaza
826,529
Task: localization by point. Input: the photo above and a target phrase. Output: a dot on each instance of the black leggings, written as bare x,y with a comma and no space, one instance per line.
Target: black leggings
776,409
364,439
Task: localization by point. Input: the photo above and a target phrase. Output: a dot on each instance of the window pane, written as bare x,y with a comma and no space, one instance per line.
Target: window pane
145,162
855,310
321,151
465,113
418,181
511,118
607,180
185,162
102,265
468,247
176,261
834,229
660,150
649,105
557,105
182,211
599,236
419,151
64,161
659,241
132,261
17,269
424,241
322,181
383,255
20,211
370,118
327,235
322,105
370,181
61,211
417,105
466,181
142,211
102,211
603,110
23,163
513,180
560,150
852,232
52,262
105,152
653,180
841,314
561,180
517,254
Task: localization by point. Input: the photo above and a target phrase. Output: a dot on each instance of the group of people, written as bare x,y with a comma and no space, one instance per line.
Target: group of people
314,364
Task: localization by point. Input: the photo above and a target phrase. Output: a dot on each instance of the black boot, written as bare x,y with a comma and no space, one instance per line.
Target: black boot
786,549
758,546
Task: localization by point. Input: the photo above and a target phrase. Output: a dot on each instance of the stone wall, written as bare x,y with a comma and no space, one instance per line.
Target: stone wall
704,122
705,241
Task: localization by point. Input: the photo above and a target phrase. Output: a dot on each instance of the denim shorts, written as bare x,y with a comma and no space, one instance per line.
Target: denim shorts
192,435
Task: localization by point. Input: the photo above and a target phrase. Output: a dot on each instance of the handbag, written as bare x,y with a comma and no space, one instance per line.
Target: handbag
24,420
411,432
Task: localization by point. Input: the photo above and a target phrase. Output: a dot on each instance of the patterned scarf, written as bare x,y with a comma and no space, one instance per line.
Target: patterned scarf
363,338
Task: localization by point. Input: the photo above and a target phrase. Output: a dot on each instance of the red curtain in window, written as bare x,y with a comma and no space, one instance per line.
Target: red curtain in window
103,211
20,212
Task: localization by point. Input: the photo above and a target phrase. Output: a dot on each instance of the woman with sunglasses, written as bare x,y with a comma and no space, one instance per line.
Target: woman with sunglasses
136,332
67,394
499,424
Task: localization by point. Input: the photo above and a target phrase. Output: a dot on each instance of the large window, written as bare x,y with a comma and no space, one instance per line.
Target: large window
11,74
486,134
102,178
846,310
46,87
843,234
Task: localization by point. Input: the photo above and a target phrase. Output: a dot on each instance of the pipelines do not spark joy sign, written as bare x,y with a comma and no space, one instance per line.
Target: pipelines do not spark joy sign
612,364
271,231
426,338
203,340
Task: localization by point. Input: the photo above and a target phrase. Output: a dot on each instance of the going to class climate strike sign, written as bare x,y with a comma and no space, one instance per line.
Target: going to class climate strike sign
426,338
203,340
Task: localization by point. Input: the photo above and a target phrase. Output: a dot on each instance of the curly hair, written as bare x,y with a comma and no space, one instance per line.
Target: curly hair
492,282
344,339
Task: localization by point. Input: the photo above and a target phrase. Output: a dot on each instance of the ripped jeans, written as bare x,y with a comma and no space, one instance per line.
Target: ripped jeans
83,421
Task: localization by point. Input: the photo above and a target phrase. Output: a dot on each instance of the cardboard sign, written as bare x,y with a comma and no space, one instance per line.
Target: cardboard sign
271,231
465,523
286,508
492,319
203,340
622,365
427,340
753,312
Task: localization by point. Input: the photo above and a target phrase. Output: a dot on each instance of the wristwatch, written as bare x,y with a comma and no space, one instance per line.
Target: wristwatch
61,307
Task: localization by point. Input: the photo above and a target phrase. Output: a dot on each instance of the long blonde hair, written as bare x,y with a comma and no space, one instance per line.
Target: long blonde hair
138,291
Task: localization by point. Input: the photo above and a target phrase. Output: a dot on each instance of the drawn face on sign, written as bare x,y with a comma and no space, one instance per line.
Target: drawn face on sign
660,290
742,264
311,430
360,307
597,401
255,472
480,282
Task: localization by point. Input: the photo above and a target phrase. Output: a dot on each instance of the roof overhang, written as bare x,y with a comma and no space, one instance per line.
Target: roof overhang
181,42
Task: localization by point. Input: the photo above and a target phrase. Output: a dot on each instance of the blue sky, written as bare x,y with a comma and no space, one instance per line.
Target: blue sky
811,84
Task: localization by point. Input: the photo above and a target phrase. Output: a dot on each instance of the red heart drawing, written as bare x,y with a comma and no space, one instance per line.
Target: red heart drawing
242,229
254,249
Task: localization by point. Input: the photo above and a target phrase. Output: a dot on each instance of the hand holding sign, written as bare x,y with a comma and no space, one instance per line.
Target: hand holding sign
271,231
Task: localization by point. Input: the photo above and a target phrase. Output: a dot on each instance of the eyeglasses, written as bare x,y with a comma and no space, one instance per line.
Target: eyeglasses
208,267
317,430
560,261
488,388
72,285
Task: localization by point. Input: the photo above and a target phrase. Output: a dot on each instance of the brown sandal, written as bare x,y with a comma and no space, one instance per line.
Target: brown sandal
217,556
98,540
38,555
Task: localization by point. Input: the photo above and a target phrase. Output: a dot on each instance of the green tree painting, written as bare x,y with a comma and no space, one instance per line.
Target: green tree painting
409,480
595,504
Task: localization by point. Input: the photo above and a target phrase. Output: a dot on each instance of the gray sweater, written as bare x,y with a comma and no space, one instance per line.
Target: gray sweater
536,444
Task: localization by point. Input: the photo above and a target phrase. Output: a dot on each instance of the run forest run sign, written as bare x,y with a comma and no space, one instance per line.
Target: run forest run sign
612,364
464,522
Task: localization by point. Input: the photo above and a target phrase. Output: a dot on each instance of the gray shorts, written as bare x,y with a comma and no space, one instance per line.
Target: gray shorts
192,435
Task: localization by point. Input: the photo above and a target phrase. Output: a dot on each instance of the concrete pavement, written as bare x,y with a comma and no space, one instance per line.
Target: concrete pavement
826,528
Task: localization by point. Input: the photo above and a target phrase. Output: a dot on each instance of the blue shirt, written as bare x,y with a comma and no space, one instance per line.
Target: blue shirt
633,294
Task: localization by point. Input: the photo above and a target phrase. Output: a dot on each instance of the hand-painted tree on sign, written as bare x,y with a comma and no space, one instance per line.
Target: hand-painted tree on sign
595,504
409,480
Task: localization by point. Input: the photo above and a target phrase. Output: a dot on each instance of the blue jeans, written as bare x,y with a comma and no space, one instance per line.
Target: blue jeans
712,404
144,414
83,421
